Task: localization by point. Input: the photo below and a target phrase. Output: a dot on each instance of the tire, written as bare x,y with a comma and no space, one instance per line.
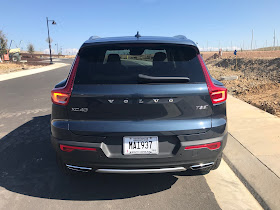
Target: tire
15,59
213,167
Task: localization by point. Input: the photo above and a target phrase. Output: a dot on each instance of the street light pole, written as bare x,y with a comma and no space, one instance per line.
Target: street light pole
49,39
56,48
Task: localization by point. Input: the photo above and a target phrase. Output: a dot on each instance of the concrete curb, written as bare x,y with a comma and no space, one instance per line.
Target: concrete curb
23,73
263,184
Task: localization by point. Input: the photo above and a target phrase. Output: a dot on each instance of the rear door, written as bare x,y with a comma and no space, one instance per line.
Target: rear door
110,97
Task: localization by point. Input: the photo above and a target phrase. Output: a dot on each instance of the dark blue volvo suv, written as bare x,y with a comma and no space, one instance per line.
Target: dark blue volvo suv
139,105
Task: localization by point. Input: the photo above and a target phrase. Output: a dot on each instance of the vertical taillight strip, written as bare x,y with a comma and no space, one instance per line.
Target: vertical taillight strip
72,75
61,95
218,94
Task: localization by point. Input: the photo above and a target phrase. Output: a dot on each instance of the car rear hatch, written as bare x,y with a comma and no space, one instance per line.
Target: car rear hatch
144,88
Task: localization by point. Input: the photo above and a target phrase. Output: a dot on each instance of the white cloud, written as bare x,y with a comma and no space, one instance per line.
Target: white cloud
70,51
46,51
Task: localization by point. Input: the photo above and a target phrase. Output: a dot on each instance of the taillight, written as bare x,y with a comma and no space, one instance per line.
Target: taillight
60,98
217,93
211,146
67,148
62,95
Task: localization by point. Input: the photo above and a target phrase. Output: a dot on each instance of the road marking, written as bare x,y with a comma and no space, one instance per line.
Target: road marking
31,71
229,191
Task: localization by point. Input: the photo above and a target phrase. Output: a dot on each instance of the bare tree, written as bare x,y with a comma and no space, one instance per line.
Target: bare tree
3,43
30,49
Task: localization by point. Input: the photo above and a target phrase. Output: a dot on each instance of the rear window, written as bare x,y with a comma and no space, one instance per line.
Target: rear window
122,63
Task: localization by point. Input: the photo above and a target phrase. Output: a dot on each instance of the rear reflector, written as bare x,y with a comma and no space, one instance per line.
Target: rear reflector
217,93
61,95
67,148
211,146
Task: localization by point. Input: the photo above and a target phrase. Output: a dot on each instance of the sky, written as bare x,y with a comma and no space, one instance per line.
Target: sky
211,24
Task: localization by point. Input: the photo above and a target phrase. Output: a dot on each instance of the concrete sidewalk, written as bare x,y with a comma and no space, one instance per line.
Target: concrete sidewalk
253,150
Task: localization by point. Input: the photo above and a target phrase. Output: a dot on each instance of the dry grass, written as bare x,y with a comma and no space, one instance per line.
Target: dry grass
13,67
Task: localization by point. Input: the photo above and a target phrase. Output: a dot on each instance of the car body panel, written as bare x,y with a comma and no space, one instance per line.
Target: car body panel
100,115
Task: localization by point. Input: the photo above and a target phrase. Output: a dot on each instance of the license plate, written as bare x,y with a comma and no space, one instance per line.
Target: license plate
140,145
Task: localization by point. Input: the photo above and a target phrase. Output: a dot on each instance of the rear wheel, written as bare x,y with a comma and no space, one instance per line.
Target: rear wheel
213,167
15,58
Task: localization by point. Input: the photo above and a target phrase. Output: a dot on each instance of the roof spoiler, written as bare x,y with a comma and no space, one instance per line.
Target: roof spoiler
180,37
93,37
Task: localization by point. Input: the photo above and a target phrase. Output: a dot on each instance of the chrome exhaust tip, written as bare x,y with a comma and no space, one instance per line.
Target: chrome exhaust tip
78,168
202,166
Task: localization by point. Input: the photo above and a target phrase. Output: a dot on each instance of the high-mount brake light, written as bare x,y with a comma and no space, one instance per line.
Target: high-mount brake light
217,93
66,148
211,146
61,95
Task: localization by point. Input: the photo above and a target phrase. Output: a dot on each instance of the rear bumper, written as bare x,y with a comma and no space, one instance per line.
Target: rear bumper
126,171
108,157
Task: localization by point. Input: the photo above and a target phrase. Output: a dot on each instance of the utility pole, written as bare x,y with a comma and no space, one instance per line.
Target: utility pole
274,40
10,44
57,49
252,39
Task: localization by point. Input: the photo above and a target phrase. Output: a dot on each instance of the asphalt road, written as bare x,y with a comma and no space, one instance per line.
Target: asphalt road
30,179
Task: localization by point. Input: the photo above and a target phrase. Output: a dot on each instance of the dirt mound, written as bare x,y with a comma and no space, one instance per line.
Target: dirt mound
257,68
34,60
215,56
258,81
245,54
265,97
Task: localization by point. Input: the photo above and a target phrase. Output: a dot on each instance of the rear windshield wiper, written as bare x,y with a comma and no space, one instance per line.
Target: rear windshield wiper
142,78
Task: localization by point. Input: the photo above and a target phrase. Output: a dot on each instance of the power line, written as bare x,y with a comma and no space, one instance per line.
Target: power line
252,39
274,39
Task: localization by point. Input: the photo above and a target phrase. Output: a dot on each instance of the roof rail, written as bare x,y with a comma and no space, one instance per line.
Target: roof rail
94,37
180,37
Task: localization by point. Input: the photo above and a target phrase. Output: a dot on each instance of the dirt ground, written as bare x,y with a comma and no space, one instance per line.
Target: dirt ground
245,54
258,80
13,67
69,56
35,61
